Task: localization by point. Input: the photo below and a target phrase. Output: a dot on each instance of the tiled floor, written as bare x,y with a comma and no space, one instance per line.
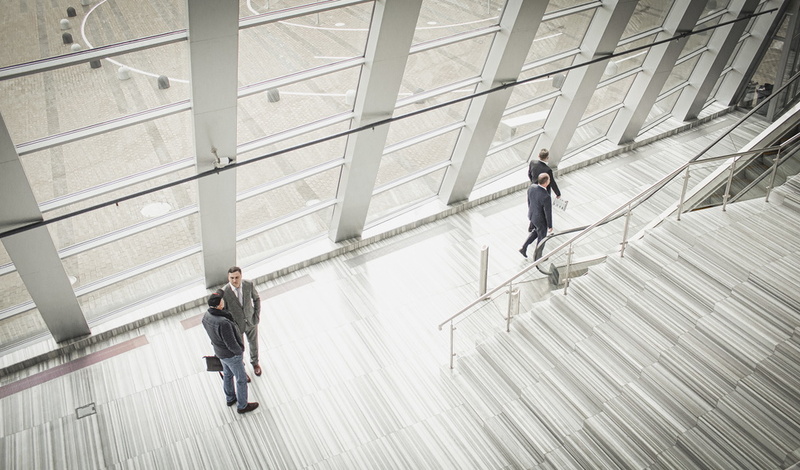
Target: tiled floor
355,366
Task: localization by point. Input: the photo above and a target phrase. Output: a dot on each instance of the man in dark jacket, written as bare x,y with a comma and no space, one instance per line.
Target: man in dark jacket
537,168
540,213
228,347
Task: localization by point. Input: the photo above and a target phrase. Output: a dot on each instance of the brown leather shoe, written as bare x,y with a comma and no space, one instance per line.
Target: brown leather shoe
248,378
257,369
250,407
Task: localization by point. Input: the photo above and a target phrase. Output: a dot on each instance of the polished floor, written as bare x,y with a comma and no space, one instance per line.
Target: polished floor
355,369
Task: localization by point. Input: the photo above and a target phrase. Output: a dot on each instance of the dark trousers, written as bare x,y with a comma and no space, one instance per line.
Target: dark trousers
535,236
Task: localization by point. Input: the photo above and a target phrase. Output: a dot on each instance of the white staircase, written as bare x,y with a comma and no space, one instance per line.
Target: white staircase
683,354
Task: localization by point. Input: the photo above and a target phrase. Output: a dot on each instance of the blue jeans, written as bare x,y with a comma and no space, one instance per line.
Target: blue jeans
234,367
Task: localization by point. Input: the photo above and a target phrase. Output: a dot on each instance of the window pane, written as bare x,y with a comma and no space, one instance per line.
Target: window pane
57,101
286,47
415,158
429,120
634,60
660,109
699,40
444,65
285,200
500,163
559,35
590,132
257,7
155,281
556,5
107,157
680,74
401,197
13,291
289,163
439,19
522,122
127,253
37,34
542,86
21,327
284,237
649,14
608,96
300,103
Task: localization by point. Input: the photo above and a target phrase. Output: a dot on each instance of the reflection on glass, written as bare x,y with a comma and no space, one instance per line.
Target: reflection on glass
699,40
649,14
415,158
401,197
559,35
120,255
99,159
283,237
287,199
590,131
293,45
257,7
439,19
158,280
299,103
69,98
444,65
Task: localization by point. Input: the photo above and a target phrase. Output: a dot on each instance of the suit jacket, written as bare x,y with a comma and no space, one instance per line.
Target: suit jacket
540,208
538,167
250,312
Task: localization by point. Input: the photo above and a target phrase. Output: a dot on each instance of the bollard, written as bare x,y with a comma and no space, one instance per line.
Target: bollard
123,73
75,47
86,2
66,38
273,95
95,64
484,274
513,306
163,82
64,23
71,12
350,97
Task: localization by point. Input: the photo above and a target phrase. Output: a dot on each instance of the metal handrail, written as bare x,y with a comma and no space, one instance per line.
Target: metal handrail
626,208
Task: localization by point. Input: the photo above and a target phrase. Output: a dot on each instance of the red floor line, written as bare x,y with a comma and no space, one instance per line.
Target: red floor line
72,366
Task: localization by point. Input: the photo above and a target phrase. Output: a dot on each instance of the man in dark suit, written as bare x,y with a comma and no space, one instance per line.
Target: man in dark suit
228,347
538,167
244,303
540,213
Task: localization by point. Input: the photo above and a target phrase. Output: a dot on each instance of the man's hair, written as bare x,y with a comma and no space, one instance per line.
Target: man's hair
235,269
215,299
544,154
543,178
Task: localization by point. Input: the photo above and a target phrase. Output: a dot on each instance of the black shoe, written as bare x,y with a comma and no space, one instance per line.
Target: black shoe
231,403
250,407
522,252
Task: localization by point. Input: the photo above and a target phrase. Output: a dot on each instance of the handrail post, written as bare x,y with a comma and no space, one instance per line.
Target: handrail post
625,232
772,178
683,192
452,347
484,270
569,264
513,306
727,194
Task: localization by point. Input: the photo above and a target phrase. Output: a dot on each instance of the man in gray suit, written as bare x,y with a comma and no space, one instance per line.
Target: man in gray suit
540,213
244,303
